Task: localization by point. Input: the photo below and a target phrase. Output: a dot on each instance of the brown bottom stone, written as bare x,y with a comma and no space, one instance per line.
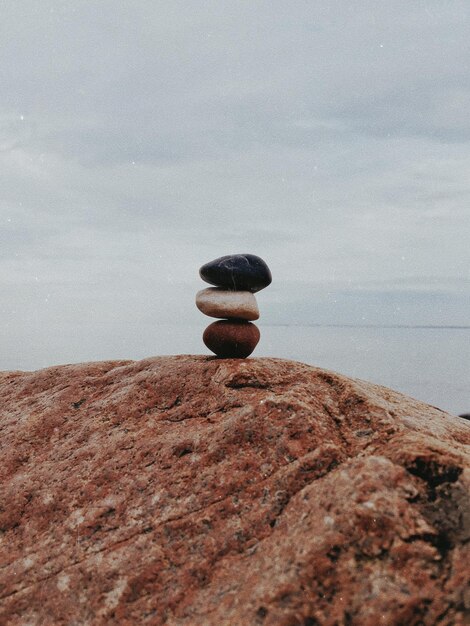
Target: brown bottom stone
231,339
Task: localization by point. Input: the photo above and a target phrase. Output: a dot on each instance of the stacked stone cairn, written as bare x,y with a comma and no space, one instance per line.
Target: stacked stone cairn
237,277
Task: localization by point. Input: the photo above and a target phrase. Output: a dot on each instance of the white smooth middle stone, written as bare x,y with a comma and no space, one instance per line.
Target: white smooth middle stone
223,303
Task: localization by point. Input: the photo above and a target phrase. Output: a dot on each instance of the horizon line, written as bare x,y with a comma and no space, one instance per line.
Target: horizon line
424,326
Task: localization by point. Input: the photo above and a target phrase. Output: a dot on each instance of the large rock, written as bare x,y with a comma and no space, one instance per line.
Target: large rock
196,491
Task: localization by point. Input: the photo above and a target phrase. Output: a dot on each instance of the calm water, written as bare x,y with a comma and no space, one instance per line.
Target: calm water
431,364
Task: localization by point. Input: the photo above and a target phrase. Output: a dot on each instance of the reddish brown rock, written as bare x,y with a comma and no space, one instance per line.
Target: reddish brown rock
231,339
195,491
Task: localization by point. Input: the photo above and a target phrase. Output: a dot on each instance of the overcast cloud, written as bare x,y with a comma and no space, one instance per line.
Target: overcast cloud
140,139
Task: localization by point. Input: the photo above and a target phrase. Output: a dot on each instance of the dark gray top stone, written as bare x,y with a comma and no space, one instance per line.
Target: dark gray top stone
240,272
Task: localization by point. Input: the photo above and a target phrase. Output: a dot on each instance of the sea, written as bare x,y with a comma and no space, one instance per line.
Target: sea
429,363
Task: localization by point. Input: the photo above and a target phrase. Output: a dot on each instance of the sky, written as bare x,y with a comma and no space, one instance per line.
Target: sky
141,139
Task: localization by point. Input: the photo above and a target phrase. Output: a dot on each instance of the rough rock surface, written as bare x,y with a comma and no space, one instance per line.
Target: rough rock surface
197,491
